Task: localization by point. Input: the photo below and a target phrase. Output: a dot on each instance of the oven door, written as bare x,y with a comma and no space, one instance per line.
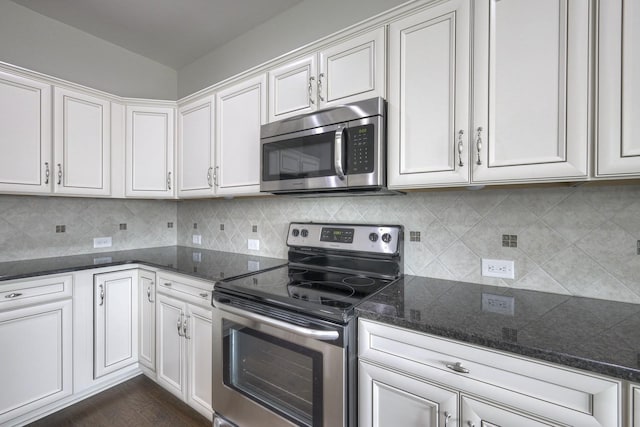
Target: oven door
269,372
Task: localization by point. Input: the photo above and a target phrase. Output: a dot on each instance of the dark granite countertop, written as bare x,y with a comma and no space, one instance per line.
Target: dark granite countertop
594,335
199,263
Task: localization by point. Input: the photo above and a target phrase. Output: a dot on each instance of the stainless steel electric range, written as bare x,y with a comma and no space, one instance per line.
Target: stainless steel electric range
284,340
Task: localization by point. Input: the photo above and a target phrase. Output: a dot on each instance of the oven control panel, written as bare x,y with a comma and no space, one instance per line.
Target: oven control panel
383,239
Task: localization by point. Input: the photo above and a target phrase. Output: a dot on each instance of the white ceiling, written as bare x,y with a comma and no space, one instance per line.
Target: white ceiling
171,32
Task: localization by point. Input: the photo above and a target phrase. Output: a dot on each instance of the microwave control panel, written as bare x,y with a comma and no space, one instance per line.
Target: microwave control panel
361,147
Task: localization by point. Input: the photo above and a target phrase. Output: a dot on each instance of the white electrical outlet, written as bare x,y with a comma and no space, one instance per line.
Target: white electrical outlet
498,268
499,304
197,239
254,244
102,242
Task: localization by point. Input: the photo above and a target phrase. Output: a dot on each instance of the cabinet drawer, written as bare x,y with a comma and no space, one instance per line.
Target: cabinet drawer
32,291
188,289
512,380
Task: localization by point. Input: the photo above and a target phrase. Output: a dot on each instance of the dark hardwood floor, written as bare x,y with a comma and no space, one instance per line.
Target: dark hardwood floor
138,402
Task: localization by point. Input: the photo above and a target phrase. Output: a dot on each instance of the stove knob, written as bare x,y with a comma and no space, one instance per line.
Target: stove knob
386,237
373,237
295,232
304,232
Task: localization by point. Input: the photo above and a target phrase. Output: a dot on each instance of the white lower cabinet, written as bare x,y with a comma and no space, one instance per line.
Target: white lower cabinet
36,353
147,319
389,398
183,346
115,321
634,405
408,374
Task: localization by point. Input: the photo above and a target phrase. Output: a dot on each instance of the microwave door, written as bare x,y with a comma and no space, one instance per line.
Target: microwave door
307,160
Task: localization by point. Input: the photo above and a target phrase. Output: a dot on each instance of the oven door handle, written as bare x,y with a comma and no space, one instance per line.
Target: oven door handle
299,330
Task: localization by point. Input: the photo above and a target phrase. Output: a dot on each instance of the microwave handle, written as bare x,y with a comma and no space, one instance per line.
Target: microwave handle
337,150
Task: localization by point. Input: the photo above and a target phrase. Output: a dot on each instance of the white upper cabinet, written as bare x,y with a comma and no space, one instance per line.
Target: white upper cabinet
82,144
196,152
349,71
618,139
240,111
150,143
25,135
428,106
353,70
531,90
293,89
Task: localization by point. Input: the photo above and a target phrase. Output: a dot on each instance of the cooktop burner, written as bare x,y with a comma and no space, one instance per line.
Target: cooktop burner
332,268
323,291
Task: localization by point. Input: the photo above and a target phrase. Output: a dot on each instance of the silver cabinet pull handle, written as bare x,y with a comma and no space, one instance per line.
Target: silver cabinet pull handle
299,330
185,324
47,173
179,325
149,294
167,284
458,368
209,181
13,295
479,145
337,153
101,295
215,175
320,86
204,294
311,100
169,180
447,417
59,174
460,148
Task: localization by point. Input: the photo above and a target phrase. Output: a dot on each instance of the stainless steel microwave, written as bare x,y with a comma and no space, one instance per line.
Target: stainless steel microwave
337,149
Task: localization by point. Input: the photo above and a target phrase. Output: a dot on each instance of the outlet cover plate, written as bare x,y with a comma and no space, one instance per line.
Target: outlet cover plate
102,242
253,244
197,239
504,269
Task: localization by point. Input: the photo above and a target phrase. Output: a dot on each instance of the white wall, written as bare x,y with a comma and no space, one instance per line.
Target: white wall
295,27
33,41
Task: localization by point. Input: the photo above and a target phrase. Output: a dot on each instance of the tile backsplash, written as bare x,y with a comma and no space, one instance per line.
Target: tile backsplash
580,241
42,227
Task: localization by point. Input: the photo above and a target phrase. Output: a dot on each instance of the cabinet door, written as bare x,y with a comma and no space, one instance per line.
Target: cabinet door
82,143
618,140
149,151
634,405
171,363
293,89
531,90
25,135
388,398
199,348
240,111
474,412
116,322
147,319
428,105
36,358
195,148
353,70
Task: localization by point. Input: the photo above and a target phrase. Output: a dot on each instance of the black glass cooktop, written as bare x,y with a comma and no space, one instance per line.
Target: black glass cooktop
331,295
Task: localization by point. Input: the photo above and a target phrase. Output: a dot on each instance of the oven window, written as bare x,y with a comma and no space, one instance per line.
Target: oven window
282,376
305,157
